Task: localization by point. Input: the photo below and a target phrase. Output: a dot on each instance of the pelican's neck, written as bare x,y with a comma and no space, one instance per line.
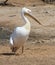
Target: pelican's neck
27,23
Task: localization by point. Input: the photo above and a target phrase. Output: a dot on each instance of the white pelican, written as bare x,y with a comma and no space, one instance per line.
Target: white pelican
20,34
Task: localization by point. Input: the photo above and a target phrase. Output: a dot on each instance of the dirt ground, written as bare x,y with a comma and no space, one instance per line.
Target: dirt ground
40,47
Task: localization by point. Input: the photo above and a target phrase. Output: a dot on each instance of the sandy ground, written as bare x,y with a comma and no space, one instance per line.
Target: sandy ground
40,47
24,2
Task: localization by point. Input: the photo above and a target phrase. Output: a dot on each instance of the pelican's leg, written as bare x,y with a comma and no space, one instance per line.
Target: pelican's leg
14,49
22,48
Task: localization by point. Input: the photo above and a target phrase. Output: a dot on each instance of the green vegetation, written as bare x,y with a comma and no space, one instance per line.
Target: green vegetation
4,33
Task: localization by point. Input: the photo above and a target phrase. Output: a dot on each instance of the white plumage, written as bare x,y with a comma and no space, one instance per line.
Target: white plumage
20,34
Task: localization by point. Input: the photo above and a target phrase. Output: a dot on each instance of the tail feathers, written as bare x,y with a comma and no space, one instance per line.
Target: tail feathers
11,40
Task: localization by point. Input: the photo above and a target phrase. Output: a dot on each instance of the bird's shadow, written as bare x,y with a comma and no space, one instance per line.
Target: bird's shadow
9,54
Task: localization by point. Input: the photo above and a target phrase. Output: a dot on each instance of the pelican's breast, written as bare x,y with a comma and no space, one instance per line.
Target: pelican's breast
27,26
21,32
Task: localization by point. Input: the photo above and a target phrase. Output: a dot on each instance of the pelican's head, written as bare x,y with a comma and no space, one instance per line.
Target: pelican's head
28,12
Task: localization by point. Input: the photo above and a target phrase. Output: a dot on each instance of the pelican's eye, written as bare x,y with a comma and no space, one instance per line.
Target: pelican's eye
29,11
